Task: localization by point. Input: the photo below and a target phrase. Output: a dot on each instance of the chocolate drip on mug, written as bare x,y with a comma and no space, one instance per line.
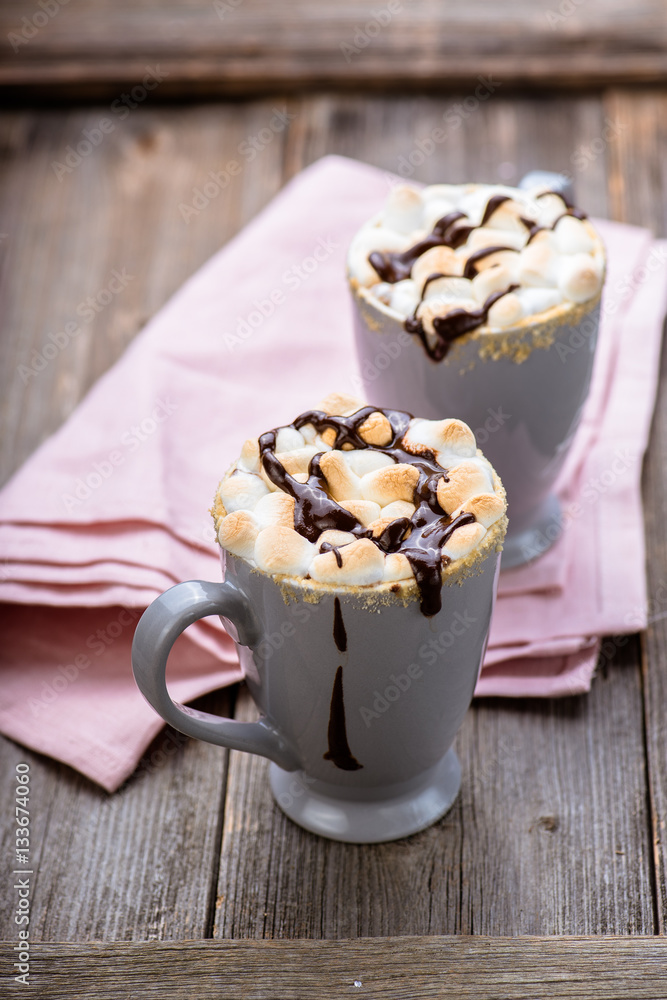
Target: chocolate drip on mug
339,632
420,537
339,752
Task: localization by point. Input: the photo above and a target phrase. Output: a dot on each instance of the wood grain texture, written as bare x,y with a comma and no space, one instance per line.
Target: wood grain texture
67,229
137,864
430,968
638,174
229,46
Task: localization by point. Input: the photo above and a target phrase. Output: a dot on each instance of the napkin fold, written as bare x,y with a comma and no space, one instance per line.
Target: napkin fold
112,509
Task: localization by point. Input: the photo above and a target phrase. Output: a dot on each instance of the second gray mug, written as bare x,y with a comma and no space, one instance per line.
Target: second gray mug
522,392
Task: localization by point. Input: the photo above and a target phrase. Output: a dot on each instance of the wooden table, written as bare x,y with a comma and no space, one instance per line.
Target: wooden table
189,881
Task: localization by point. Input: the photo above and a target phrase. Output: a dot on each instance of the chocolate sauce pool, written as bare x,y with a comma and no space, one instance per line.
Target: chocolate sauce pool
393,266
419,538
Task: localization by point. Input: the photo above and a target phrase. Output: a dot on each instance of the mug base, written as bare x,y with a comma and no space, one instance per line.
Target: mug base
322,809
532,542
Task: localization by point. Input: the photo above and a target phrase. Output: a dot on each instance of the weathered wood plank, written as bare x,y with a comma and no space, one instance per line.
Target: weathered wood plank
430,968
556,827
68,226
638,171
499,139
639,187
136,864
233,46
550,834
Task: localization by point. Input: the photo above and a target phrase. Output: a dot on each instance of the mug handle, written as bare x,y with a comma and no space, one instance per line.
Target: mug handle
157,631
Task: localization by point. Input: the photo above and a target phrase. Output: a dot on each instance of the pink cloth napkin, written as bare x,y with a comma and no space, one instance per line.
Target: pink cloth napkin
113,508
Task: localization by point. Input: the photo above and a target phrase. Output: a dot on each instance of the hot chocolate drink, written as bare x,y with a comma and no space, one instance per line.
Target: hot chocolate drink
469,300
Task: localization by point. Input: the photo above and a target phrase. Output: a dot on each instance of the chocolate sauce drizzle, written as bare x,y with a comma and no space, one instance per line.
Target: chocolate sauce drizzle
419,538
393,266
339,752
339,633
452,326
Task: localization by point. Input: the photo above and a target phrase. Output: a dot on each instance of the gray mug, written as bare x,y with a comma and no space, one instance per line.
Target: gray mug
521,391
360,694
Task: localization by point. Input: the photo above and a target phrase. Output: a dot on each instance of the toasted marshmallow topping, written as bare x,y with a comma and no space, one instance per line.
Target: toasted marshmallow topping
382,498
495,240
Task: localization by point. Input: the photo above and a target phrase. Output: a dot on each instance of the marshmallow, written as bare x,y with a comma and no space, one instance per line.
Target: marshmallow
297,460
237,533
434,210
280,550
505,312
395,482
249,458
289,439
494,279
382,292
338,404
367,460
342,483
403,211
572,236
580,277
437,260
362,564
376,430
404,297
463,540
507,217
450,288
398,508
508,258
334,537
275,508
467,479
308,432
396,567
487,508
537,300
241,491
479,239
549,206
538,265
365,511
452,436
